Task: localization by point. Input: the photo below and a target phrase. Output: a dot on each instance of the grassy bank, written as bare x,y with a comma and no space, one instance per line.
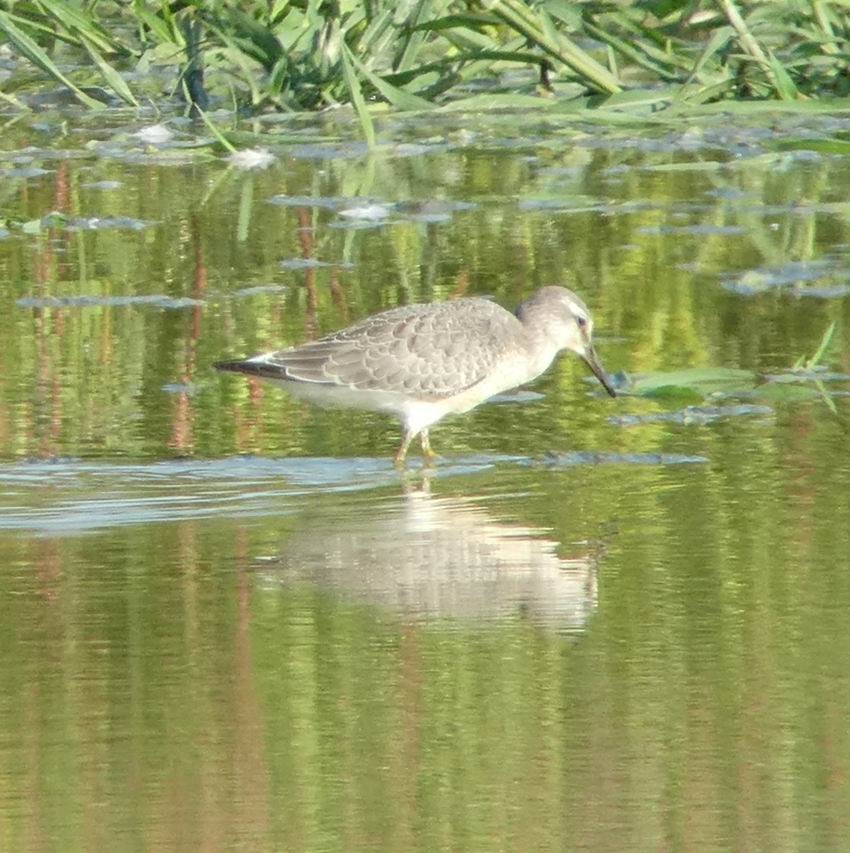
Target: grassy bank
314,54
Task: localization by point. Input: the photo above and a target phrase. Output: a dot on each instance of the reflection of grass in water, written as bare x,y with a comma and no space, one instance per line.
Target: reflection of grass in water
803,363
807,365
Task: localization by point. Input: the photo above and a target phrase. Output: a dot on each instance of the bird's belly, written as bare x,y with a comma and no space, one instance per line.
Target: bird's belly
416,413
504,379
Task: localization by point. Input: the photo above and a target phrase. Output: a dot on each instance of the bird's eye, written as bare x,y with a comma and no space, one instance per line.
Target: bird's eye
582,322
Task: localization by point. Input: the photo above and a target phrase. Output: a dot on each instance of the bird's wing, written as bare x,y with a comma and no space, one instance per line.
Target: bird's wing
425,351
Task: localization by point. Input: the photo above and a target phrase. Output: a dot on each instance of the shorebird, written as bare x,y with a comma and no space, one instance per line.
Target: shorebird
423,362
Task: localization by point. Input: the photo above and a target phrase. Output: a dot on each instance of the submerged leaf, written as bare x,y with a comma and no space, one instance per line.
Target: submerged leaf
693,415
696,380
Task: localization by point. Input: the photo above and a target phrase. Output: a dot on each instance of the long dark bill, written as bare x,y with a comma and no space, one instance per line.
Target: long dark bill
595,365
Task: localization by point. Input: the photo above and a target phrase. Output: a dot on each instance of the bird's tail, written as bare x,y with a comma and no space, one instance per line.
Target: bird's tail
249,367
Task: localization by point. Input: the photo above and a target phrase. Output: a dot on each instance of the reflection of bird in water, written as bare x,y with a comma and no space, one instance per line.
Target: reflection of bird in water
432,557
423,362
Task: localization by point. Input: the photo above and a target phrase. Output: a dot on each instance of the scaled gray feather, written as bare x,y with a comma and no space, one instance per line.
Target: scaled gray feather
413,350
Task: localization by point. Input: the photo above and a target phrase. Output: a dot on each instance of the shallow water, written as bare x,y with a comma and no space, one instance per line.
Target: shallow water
596,624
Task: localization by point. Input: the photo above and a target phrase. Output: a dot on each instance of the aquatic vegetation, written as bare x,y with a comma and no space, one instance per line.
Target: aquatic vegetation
565,460
635,56
196,570
155,134
693,415
250,159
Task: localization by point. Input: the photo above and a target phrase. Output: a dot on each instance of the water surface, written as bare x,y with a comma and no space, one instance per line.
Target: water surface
607,625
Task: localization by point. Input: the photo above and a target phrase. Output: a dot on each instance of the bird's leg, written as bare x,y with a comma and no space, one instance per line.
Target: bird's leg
429,454
402,451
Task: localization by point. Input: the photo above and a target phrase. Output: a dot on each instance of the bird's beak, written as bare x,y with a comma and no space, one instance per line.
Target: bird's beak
595,365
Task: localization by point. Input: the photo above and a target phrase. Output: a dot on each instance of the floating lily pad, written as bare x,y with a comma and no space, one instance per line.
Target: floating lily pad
808,376
413,149
562,460
158,300
31,153
516,397
25,172
188,388
692,229
252,159
836,291
730,194
104,185
109,223
33,226
327,202
796,274
564,204
359,224
693,415
258,289
431,210
689,166
172,156
368,212
335,151
785,392
155,134
87,223
312,263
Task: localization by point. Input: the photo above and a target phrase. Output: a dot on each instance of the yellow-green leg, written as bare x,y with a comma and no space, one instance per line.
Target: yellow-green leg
427,452
402,451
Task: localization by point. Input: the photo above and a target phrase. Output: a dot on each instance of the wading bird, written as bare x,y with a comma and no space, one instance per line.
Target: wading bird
423,362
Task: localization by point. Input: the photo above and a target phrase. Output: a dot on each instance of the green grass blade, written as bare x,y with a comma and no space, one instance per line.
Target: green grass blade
718,40
456,21
112,77
414,41
254,39
12,101
397,97
26,46
241,61
539,30
632,52
776,74
379,36
80,24
222,139
356,95
159,27
782,81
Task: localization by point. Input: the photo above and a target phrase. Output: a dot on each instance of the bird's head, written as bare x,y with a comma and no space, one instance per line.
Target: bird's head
563,318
